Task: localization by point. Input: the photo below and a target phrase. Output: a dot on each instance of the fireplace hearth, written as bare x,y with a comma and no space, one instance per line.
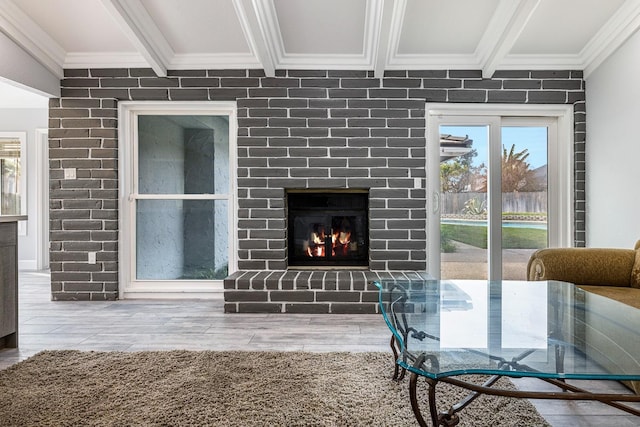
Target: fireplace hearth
328,229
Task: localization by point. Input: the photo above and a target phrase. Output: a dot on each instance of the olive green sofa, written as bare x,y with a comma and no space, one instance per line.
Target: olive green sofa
601,272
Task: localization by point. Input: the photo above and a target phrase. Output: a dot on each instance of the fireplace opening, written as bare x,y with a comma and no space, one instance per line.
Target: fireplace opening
328,229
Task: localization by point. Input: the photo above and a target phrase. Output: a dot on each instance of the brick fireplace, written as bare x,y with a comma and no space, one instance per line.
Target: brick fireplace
367,181
332,241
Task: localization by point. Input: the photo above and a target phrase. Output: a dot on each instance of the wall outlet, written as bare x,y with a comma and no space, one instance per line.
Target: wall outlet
417,182
91,257
70,173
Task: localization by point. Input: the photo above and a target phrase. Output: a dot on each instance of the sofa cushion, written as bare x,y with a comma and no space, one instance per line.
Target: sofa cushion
583,266
635,271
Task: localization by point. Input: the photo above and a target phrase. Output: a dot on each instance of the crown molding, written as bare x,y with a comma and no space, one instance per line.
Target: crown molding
325,62
178,62
541,62
142,31
213,61
611,36
105,60
31,37
433,62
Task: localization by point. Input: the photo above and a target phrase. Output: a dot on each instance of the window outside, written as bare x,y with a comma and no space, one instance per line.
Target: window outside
12,197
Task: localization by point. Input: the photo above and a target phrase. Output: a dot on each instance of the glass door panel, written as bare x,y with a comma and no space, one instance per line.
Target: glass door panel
463,201
524,196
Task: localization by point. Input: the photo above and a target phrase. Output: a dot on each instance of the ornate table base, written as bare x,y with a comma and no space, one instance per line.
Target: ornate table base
451,418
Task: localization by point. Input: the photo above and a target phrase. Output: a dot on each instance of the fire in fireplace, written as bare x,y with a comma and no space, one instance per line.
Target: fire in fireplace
328,229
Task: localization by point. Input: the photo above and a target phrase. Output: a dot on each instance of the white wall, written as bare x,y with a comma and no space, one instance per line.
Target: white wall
613,149
28,120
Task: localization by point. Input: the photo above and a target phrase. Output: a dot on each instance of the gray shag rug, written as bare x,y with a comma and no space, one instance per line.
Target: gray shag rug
227,388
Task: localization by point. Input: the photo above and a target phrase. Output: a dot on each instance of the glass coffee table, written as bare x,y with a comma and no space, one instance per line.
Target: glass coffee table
453,330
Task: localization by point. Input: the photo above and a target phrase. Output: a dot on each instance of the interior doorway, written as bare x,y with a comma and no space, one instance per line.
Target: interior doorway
42,188
24,112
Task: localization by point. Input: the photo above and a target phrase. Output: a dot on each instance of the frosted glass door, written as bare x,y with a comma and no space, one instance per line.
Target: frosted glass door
181,212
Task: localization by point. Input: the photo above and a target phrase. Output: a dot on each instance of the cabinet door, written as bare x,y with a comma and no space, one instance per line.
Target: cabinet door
8,279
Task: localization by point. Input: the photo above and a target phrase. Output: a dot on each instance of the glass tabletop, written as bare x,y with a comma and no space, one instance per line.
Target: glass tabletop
544,329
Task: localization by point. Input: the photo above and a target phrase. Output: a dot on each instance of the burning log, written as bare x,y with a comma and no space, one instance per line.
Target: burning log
316,244
341,244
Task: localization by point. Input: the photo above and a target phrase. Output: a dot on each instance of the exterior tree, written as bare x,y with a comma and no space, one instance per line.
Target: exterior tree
516,171
457,174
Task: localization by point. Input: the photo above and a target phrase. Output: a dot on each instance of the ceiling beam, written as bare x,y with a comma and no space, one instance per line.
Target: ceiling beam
397,21
31,37
255,30
142,31
387,31
502,32
624,23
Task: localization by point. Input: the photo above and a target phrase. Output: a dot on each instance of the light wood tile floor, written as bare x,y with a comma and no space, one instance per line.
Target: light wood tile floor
134,325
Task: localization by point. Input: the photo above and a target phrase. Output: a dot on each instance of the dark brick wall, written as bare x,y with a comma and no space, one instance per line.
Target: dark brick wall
301,129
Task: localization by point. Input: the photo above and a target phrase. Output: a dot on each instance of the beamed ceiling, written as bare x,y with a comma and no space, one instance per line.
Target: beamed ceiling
376,35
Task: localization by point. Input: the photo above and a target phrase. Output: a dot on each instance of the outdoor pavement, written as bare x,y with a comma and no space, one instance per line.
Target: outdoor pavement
469,262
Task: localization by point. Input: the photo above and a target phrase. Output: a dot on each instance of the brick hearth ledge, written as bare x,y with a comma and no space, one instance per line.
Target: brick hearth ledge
304,291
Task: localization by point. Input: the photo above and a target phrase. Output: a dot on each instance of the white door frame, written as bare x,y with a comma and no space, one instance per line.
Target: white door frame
129,286
42,185
560,172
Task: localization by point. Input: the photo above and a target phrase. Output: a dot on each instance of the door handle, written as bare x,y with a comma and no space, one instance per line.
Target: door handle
435,203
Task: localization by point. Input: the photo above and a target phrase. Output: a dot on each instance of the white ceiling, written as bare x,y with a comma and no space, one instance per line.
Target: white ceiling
376,35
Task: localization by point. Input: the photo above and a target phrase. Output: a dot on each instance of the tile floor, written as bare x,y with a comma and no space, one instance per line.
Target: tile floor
133,325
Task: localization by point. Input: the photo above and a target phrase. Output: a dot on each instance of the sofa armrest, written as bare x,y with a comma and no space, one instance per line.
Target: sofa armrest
582,266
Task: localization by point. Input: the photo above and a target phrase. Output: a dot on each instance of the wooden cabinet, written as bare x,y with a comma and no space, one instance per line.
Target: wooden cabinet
8,284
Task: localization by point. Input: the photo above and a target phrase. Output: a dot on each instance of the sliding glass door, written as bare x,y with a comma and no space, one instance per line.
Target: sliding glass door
492,198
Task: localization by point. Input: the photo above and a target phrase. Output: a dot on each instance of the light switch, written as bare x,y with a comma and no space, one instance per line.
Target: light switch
70,173
91,257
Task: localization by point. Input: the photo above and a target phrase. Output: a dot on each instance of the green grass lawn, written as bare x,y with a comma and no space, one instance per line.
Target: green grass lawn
512,238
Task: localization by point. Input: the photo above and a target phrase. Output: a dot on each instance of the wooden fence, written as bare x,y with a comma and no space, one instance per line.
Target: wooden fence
530,202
